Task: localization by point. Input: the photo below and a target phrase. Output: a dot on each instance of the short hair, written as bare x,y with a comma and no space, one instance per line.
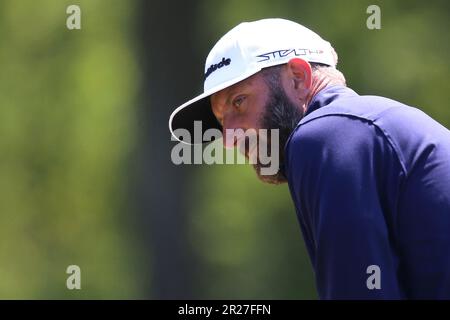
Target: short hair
272,74
333,74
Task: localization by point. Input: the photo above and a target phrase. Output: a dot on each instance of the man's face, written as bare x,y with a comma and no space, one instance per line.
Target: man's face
241,105
256,103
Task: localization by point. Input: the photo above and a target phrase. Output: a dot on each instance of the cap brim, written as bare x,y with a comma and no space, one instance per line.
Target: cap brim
199,109
184,117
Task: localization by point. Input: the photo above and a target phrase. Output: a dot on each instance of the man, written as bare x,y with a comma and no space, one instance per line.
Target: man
369,176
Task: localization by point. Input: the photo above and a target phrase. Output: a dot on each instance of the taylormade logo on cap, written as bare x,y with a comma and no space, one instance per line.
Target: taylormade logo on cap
219,65
244,51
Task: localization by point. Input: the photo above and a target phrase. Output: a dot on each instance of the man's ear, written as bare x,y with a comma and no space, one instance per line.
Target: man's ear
300,72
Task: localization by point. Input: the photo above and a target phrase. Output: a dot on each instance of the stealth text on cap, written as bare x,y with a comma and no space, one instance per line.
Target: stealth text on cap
284,53
214,67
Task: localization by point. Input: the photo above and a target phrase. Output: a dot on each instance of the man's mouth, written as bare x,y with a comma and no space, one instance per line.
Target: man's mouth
249,150
252,154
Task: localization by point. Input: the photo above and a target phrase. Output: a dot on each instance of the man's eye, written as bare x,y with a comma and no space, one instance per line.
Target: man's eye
238,101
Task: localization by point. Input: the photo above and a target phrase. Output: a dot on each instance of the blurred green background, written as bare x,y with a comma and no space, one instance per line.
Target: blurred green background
85,171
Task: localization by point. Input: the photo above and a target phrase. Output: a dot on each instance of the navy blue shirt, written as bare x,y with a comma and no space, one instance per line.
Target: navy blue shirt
370,179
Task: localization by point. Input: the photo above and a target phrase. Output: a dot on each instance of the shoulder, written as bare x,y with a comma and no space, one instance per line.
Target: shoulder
344,134
336,144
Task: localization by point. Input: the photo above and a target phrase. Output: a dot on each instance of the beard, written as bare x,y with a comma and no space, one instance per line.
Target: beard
282,114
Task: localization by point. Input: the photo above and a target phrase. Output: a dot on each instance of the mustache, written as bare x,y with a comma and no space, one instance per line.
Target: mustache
247,145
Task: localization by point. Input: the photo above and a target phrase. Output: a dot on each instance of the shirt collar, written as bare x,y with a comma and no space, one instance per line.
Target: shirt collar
327,95
323,98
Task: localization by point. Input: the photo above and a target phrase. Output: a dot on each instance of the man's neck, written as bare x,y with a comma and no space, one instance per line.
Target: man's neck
318,84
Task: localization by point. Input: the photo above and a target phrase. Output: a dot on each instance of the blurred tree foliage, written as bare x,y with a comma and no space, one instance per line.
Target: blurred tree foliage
66,129
68,135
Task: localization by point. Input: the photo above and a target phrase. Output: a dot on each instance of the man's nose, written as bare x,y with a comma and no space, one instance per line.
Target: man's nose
231,134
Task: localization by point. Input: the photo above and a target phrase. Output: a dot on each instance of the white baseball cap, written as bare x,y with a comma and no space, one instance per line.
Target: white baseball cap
242,52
